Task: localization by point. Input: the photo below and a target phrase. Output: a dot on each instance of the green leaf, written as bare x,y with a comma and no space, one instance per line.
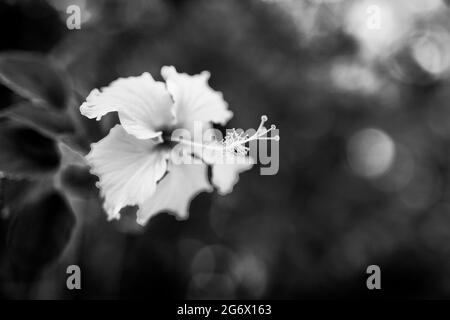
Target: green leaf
35,77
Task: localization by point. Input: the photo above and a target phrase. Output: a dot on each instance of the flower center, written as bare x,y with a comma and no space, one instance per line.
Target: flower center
167,141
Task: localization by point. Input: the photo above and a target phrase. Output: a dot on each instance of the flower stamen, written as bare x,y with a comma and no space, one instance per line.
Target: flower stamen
235,142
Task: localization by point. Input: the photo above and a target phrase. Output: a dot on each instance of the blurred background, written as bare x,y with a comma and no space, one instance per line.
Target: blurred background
359,90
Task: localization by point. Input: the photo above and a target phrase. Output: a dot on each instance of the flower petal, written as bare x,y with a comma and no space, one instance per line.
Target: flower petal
226,165
225,173
175,191
128,169
194,99
144,105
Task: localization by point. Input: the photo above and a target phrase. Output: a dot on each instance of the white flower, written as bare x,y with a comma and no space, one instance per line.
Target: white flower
135,162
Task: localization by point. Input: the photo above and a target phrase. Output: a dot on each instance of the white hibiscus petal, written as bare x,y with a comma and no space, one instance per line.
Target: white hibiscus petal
128,169
226,175
194,99
226,167
144,105
175,191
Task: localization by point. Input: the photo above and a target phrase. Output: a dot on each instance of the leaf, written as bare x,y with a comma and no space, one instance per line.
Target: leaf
15,193
25,152
46,121
35,77
79,181
39,232
70,156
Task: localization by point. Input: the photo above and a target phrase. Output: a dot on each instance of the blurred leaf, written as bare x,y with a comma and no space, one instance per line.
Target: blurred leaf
45,121
77,143
15,193
79,181
25,152
41,26
35,77
70,156
39,233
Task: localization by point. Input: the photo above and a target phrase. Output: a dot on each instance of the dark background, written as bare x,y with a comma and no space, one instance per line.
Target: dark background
364,173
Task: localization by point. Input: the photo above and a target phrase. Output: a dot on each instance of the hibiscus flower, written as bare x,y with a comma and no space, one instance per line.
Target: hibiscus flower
136,163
